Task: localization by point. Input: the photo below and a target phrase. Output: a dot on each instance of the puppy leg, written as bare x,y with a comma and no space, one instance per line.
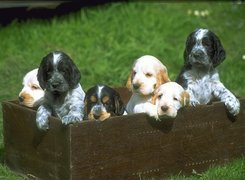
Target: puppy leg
147,108
42,117
225,96
193,101
75,115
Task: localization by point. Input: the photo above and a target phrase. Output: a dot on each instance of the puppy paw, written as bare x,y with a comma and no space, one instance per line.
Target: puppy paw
194,102
233,106
42,124
68,119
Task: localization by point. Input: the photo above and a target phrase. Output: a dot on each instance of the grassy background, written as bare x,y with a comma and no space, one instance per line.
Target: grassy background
105,40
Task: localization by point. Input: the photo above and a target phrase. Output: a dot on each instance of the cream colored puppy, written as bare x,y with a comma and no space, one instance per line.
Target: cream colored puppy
170,97
147,74
32,93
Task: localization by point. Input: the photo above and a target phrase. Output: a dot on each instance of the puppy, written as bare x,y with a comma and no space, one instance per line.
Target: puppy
31,93
64,96
170,97
148,73
102,102
203,53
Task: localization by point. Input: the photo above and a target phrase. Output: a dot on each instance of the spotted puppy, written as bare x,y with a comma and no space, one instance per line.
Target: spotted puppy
147,74
64,96
170,97
203,53
102,102
31,94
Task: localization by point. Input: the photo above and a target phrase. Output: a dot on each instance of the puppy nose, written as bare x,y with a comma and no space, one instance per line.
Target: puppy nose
97,110
197,54
164,108
136,86
55,84
21,99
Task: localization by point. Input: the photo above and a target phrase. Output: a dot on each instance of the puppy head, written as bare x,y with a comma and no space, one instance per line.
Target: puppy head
102,102
31,93
57,73
170,97
203,49
148,73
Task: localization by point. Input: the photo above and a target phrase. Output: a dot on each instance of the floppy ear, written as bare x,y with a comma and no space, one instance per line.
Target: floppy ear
162,77
154,98
219,52
185,98
129,82
42,73
75,75
119,106
188,46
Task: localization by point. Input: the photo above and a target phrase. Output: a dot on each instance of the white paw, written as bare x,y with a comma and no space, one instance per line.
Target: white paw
68,119
194,102
42,123
233,106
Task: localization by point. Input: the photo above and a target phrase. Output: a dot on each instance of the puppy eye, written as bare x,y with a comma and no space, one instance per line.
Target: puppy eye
206,41
148,74
159,96
35,87
134,72
175,99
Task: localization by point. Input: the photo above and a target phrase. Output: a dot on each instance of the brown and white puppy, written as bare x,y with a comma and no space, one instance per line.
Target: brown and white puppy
102,102
31,93
170,97
148,73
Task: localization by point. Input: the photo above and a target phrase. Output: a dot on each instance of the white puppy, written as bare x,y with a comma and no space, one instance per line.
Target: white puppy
148,73
170,97
32,93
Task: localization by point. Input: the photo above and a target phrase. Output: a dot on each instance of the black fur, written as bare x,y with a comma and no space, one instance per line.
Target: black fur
215,53
114,106
65,67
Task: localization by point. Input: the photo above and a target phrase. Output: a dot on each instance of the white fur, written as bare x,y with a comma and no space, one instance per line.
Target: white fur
200,76
144,74
31,93
171,97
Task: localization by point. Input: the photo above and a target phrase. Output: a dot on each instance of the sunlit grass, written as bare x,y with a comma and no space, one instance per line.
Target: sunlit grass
105,40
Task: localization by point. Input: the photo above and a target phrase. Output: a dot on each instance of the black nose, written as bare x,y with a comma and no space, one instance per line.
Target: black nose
21,99
55,84
198,54
164,108
136,86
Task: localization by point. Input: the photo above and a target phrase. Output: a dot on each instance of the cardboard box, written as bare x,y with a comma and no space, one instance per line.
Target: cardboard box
126,147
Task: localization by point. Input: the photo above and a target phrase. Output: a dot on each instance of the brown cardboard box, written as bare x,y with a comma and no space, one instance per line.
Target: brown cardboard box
127,147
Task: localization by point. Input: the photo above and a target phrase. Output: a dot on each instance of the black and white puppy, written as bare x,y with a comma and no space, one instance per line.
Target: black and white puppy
102,102
64,96
203,53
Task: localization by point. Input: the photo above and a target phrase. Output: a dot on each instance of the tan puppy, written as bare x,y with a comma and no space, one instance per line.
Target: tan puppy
170,97
148,73
32,93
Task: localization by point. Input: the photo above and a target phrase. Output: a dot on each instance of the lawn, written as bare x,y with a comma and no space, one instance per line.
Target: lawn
104,41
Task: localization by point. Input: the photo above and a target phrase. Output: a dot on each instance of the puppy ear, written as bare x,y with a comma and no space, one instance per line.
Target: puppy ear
185,98
119,106
73,75
42,72
154,98
188,46
162,77
219,52
129,81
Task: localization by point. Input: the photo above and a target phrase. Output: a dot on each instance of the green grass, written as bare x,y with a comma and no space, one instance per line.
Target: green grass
105,40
